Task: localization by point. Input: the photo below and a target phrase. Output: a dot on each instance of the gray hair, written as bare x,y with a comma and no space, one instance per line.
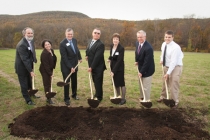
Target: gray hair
141,32
69,29
24,30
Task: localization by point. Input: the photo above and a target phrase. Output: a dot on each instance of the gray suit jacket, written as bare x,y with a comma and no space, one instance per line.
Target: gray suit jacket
24,57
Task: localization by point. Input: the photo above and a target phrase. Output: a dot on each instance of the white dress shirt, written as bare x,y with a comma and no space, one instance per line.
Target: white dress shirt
174,56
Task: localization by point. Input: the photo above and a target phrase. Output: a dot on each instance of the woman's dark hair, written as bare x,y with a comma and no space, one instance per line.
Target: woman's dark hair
116,35
46,40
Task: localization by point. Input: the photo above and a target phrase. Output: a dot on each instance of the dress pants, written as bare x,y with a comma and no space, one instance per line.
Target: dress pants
172,83
25,85
73,78
98,83
46,78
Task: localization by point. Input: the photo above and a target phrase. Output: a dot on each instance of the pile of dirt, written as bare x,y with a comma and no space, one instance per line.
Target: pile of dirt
82,123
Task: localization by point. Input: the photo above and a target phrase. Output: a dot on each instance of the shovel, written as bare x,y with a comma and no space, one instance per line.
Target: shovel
33,90
148,103
61,84
115,99
92,102
50,94
168,102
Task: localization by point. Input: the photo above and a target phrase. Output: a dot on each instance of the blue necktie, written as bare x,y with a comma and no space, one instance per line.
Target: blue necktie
72,46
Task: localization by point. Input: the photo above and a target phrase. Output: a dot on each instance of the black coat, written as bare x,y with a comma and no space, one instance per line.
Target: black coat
145,59
47,63
69,59
96,56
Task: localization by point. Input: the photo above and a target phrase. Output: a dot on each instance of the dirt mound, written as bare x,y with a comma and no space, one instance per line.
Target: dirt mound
60,123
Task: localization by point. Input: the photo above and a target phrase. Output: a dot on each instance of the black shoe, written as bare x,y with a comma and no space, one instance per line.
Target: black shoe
67,102
49,101
75,97
34,96
122,102
159,100
30,103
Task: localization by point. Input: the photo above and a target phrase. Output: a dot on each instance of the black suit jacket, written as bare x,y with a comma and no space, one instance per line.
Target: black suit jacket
117,60
24,57
69,59
47,63
145,59
96,56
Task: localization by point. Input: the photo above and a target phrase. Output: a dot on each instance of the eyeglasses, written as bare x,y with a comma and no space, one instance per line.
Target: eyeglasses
97,33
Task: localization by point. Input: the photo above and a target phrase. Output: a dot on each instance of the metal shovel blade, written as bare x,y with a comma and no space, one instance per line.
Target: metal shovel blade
93,103
169,102
147,104
61,84
32,92
116,100
50,94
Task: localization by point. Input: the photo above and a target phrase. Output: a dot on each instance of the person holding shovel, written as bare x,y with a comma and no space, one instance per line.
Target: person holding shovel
171,59
24,59
70,57
48,62
116,60
144,60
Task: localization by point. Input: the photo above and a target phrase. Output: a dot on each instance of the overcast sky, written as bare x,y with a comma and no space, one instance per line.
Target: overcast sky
112,9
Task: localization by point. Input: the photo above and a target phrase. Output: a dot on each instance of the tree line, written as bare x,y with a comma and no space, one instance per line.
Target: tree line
190,33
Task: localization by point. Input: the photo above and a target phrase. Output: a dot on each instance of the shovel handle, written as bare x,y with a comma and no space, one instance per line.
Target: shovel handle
33,79
91,89
165,84
71,72
142,88
115,95
51,82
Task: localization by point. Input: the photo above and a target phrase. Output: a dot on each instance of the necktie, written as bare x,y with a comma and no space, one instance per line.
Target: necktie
91,44
164,56
139,48
72,46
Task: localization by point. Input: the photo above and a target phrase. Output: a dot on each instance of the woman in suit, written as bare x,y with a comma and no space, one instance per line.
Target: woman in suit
48,63
116,60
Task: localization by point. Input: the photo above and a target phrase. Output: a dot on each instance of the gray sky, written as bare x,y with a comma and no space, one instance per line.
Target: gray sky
113,9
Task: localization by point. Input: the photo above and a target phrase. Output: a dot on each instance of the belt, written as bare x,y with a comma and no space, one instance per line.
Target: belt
175,66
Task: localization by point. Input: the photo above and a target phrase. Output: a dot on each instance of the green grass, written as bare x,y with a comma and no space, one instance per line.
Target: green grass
194,90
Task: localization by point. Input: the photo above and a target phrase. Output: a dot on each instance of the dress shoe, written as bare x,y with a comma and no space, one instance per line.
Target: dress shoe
30,103
67,102
122,102
34,96
141,99
175,107
49,101
75,97
159,100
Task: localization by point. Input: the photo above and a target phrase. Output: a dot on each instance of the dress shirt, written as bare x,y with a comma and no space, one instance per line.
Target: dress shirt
174,55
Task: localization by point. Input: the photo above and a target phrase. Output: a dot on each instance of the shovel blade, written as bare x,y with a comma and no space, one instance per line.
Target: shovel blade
115,100
147,104
93,103
169,102
32,92
61,84
50,94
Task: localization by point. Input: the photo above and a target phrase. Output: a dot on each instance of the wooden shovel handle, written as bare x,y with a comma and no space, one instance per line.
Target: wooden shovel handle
71,72
91,89
113,85
142,88
165,84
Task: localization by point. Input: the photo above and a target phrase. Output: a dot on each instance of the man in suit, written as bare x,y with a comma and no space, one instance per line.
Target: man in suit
145,61
70,56
25,57
96,63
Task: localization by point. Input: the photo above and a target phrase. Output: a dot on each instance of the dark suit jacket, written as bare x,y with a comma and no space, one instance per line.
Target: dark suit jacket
96,56
47,63
24,57
117,60
68,58
145,59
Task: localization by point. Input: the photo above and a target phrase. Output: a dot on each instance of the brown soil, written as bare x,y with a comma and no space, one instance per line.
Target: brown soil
61,123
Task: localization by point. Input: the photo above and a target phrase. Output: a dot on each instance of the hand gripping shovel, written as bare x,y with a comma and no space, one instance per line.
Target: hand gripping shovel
50,94
148,103
92,102
115,99
168,102
33,90
61,84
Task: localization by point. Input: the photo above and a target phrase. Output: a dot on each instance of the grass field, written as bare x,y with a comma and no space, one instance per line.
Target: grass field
194,90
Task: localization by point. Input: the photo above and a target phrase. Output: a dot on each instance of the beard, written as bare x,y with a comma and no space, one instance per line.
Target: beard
29,38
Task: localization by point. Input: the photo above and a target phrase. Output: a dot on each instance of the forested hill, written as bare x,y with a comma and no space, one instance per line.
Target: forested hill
190,33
